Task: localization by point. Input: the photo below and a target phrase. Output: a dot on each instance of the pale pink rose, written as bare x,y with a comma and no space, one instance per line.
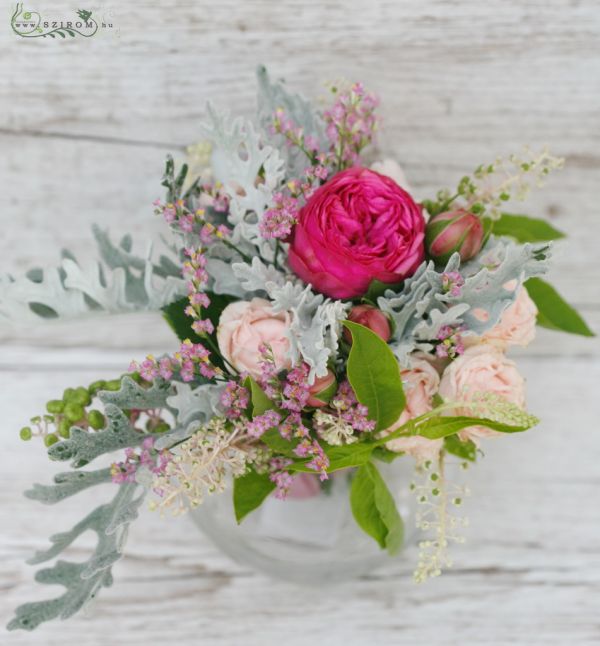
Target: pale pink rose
392,169
517,324
420,382
244,326
481,369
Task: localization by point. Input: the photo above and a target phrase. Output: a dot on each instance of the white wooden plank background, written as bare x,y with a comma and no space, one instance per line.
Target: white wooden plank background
84,128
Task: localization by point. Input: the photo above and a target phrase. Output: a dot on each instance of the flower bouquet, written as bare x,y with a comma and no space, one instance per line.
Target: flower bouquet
330,325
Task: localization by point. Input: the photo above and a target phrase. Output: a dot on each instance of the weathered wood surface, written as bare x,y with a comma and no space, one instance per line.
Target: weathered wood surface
84,128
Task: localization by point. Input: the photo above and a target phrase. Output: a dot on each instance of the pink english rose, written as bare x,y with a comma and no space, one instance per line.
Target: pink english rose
421,382
358,227
481,369
517,324
245,326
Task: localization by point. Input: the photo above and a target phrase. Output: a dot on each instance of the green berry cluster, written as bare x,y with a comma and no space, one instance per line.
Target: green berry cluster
73,409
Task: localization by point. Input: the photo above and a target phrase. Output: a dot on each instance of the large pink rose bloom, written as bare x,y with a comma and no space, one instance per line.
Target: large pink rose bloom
244,326
358,227
517,325
481,369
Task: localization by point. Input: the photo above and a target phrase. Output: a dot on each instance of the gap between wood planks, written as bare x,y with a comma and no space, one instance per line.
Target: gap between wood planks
102,139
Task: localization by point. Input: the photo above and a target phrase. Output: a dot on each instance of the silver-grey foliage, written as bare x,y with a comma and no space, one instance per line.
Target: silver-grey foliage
82,581
120,282
423,307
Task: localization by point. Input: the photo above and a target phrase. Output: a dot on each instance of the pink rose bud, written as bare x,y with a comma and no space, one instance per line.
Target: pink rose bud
322,390
457,230
372,318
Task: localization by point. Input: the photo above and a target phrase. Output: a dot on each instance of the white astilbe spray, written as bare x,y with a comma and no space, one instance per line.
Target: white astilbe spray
333,429
494,184
437,498
201,465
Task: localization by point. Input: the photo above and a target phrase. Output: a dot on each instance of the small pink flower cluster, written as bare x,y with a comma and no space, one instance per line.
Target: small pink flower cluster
260,424
293,134
235,398
155,461
452,283
278,221
191,361
350,411
296,389
194,270
283,479
180,217
351,123
319,461
451,343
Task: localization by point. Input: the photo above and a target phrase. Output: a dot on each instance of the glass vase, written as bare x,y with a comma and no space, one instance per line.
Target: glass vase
312,535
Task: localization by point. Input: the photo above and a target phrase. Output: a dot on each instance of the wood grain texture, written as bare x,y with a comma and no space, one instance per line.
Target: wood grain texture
84,128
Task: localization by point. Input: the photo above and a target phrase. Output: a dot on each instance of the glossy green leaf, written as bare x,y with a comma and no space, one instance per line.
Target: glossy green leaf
260,402
374,374
523,228
340,457
553,311
249,492
374,508
278,444
438,427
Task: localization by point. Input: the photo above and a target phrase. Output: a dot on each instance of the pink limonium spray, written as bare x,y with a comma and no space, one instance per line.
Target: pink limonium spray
318,459
452,283
235,398
283,479
155,461
192,361
450,342
351,123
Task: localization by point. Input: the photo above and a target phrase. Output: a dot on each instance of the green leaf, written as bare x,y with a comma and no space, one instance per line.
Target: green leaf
340,457
249,492
260,402
272,438
374,375
525,229
554,312
374,508
351,455
465,450
438,427
385,455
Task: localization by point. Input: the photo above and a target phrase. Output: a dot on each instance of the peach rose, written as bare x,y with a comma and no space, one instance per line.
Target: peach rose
481,369
244,326
517,324
421,382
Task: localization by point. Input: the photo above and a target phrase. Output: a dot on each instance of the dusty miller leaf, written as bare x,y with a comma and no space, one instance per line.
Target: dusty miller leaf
82,580
67,484
122,283
199,404
238,157
422,308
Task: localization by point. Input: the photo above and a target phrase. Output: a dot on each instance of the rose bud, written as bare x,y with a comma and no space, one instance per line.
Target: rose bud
457,230
322,390
372,318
